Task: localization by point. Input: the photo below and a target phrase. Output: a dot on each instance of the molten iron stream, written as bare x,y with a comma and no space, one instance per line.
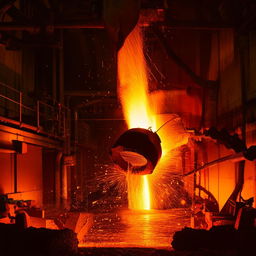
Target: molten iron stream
133,92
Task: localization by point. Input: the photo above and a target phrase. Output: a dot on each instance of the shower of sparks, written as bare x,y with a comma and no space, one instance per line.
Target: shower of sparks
108,189
163,187
133,83
139,111
133,92
167,186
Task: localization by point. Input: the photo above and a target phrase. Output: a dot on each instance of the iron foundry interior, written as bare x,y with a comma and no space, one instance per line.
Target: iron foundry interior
127,127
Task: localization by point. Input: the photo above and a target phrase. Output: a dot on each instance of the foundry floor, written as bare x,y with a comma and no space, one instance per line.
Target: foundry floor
152,252
141,233
137,229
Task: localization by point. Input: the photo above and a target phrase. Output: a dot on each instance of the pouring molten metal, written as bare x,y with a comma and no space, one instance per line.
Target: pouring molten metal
137,150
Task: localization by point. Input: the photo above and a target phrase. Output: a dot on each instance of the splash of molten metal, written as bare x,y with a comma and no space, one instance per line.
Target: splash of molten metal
138,192
133,92
133,84
144,192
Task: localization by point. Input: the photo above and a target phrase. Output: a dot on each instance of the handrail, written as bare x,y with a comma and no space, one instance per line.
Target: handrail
214,162
9,87
17,102
7,98
46,104
45,115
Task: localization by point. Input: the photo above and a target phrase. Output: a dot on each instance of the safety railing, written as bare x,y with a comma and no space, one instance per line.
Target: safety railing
17,108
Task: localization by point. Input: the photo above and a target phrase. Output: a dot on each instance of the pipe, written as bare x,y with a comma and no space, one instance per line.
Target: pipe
64,185
86,93
57,179
179,62
217,161
76,129
65,168
5,5
243,54
54,74
66,174
12,26
8,26
15,172
17,15
102,119
61,69
229,208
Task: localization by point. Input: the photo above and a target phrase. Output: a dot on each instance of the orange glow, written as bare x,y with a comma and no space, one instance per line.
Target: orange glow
150,229
133,92
133,84
139,108
138,192
183,202
172,134
146,193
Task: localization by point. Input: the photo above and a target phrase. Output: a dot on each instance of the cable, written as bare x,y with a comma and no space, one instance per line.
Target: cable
166,123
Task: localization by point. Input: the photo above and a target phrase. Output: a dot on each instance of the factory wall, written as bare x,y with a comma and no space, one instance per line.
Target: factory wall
21,175
51,171
10,74
10,67
235,112
249,188
6,173
230,60
220,179
30,72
